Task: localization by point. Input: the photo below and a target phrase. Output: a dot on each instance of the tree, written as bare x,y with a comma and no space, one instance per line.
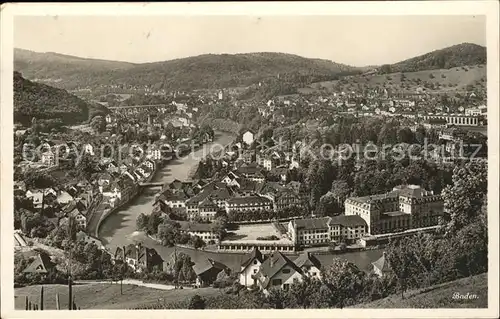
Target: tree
219,226
405,135
276,298
154,221
386,68
420,135
464,198
38,179
388,134
327,206
301,293
197,302
345,280
404,256
168,234
141,221
197,242
340,190
98,123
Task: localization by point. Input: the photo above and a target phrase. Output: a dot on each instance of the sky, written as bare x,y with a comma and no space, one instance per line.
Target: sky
353,40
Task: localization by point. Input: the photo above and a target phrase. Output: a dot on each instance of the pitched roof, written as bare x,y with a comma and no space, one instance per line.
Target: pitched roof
205,265
249,185
311,223
308,260
196,227
347,220
42,264
221,194
141,253
207,203
272,265
82,236
254,254
382,263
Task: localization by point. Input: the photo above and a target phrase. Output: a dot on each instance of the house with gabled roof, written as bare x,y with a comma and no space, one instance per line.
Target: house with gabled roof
36,197
309,264
64,198
82,236
206,271
277,271
131,177
139,257
381,266
248,170
250,266
40,265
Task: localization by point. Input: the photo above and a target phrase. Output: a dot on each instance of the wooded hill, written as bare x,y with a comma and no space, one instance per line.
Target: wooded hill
48,103
198,72
455,56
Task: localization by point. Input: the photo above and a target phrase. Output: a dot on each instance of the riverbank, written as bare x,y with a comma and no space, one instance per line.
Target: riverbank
119,228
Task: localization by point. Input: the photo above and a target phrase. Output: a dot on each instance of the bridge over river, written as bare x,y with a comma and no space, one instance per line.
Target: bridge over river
114,108
119,229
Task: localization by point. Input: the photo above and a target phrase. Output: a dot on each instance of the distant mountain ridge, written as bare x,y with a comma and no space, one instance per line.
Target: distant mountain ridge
203,71
210,71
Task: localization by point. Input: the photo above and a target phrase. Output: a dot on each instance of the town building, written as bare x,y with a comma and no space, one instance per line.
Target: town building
277,271
253,203
472,111
204,231
309,264
207,209
381,266
309,231
40,265
248,138
48,158
322,231
139,257
403,208
250,267
455,119
207,270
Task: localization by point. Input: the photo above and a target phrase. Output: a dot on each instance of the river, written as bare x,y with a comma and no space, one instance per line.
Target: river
119,229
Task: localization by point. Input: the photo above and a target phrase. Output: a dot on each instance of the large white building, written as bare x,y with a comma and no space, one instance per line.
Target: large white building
405,207
322,231
253,203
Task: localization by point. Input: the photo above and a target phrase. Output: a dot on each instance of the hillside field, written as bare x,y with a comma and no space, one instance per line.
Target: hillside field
439,296
449,80
106,296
